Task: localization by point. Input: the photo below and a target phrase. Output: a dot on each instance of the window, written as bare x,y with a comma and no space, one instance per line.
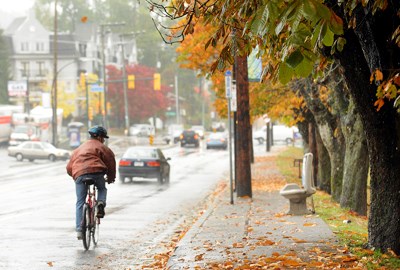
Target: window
41,70
82,50
37,147
39,46
25,69
24,46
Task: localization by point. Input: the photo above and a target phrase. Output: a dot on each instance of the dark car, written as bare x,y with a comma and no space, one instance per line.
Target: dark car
217,140
190,137
144,162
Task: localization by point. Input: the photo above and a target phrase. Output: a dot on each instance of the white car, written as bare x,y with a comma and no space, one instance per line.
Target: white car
38,150
141,130
281,133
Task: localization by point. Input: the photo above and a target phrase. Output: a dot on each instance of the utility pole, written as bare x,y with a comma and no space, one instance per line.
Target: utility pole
54,107
103,58
176,99
243,177
125,87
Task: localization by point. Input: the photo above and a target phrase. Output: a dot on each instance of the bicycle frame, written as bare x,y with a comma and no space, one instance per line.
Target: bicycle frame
90,223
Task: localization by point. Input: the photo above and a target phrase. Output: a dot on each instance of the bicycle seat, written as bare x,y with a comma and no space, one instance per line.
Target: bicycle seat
88,181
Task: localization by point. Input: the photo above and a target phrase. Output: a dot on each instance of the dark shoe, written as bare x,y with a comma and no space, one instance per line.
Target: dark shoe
100,210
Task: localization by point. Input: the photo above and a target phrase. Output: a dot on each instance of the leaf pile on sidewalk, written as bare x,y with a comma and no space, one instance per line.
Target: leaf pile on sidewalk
160,260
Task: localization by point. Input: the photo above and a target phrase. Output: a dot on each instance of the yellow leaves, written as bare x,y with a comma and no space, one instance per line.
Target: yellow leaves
309,224
377,75
387,89
50,264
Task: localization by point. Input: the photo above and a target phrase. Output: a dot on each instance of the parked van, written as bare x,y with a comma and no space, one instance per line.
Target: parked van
141,130
281,133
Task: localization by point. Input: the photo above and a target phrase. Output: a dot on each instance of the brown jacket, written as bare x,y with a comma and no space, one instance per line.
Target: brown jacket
92,157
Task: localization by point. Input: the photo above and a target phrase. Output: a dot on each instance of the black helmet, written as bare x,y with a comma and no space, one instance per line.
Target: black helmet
98,131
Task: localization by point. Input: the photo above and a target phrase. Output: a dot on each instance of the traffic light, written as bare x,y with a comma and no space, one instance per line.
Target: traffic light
151,139
157,81
82,81
90,113
131,81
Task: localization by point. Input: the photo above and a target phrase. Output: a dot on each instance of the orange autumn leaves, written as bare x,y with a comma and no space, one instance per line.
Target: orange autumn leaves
262,178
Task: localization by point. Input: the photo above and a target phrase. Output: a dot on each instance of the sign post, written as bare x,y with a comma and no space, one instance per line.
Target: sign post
228,92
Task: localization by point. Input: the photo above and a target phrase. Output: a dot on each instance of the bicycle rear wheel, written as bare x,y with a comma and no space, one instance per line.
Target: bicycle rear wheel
86,235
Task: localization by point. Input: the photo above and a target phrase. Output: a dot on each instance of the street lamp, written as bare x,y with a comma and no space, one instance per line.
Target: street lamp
54,89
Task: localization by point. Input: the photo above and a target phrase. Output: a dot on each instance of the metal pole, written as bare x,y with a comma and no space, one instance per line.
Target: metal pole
176,99
125,89
230,149
202,83
27,95
103,59
87,104
54,118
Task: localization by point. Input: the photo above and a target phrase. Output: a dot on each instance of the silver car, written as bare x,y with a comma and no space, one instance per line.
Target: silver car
32,150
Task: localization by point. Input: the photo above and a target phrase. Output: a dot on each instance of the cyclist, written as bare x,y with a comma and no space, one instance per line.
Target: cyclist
92,159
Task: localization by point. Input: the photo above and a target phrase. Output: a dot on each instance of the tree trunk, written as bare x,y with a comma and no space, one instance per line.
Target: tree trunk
313,150
329,130
368,47
324,166
243,177
354,192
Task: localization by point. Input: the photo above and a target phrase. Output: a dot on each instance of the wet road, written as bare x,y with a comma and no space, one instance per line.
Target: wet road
37,210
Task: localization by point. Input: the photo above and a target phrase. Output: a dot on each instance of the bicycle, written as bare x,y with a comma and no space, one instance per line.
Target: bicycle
90,221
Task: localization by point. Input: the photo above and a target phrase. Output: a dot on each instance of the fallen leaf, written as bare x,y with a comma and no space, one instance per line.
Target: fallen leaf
299,240
199,257
238,245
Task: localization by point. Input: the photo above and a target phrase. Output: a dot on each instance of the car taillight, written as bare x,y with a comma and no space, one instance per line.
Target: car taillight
124,163
181,137
196,136
153,163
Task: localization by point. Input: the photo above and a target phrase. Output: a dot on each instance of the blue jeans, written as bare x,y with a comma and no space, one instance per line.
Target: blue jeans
81,192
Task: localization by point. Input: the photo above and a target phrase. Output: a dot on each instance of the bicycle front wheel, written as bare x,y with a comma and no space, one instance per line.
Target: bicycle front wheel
86,235
96,227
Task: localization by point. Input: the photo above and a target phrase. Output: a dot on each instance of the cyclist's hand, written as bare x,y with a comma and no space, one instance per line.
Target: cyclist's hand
110,181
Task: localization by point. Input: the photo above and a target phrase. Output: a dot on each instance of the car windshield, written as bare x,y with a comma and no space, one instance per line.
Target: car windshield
140,153
23,129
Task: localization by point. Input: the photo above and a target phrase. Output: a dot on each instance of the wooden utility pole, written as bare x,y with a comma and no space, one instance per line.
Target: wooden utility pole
243,176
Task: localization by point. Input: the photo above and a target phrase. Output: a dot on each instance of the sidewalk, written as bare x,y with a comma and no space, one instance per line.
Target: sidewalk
257,233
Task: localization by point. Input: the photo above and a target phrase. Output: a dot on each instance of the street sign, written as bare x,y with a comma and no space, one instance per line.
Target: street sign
17,88
96,88
228,83
233,98
170,113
